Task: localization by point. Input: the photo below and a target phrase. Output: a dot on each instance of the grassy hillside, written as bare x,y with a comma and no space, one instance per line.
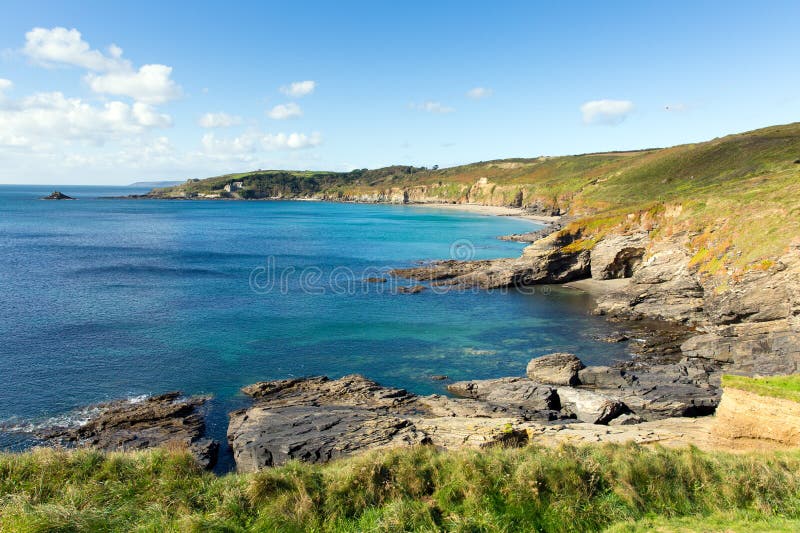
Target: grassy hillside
624,488
738,196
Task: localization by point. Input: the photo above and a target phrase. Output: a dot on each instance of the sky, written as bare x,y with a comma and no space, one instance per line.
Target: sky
116,92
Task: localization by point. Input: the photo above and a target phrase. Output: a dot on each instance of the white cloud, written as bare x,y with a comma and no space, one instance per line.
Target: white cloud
253,141
150,84
5,84
292,141
479,92
299,88
111,74
284,111
45,119
608,112
432,107
219,120
62,46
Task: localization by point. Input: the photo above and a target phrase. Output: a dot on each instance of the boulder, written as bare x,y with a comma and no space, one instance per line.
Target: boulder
555,369
521,393
604,377
591,406
627,420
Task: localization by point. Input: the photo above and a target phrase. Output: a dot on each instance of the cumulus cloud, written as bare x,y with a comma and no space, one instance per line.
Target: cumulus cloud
150,84
253,141
111,74
607,112
432,107
43,119
299,88
219,120
60,46
478,93
284,111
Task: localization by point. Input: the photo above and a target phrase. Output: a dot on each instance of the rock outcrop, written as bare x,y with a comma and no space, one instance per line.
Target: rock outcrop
744,416
555,369
56,195
545,261
317,419
165,420
591,407
528,396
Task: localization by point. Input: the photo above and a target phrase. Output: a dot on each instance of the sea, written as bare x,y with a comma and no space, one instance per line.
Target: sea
104,298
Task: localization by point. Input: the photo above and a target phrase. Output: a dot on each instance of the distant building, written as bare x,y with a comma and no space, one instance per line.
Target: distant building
235,186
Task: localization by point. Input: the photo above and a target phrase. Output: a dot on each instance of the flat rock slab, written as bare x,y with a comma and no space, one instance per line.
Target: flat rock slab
266,436
519,393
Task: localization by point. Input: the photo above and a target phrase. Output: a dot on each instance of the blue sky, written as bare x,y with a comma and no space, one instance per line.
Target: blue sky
106,92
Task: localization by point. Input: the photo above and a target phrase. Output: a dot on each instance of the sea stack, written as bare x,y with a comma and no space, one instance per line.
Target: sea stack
57,195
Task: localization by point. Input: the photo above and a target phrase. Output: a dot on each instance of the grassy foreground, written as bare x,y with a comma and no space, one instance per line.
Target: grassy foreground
590,488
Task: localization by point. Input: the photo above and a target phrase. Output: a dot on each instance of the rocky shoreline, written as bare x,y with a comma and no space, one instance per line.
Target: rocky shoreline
317,419
674,377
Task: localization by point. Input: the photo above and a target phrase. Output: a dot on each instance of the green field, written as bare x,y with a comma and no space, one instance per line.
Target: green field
590,488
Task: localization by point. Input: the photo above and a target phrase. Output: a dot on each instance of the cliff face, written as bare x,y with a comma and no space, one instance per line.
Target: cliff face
752,321
744,416
482,191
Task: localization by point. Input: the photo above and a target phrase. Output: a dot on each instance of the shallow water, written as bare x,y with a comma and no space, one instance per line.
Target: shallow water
104,299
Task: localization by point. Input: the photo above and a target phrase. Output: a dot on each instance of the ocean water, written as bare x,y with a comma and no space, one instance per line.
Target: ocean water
103,299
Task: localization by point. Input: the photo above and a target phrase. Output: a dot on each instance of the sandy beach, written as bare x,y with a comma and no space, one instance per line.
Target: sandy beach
494,210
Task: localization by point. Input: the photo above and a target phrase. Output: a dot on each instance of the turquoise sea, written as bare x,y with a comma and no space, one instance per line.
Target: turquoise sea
103,299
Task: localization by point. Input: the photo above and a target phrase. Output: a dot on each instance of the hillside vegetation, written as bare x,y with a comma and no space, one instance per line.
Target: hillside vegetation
591,488
738,196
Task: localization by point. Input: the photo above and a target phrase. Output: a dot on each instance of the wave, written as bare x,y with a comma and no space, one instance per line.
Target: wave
69,420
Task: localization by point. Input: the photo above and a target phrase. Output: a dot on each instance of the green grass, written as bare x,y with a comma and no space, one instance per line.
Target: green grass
589,488
784,387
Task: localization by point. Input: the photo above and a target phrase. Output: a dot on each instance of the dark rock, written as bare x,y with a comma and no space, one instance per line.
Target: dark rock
265,436
164,420
375,280
604,377
555,369
614,338
439,377
414,289
521,393
56,195
544,261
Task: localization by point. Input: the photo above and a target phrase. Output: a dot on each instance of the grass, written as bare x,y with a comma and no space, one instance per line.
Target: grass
784,387
589,488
